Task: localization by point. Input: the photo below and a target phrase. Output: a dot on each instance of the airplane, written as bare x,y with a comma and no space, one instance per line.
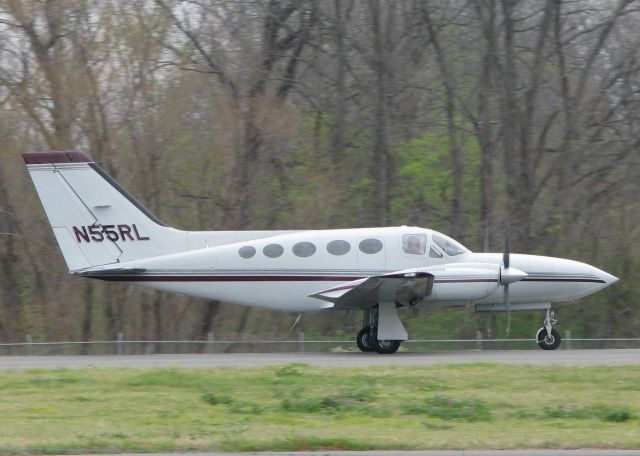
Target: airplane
105,233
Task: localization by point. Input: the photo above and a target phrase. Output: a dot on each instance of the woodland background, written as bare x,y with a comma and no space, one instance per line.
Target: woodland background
456,115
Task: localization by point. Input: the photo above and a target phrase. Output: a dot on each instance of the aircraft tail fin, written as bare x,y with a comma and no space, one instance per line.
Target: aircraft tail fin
93,218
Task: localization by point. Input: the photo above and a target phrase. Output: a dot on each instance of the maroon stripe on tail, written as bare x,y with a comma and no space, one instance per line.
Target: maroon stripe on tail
69,156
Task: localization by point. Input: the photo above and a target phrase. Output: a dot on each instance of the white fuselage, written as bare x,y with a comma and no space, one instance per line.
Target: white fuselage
283,271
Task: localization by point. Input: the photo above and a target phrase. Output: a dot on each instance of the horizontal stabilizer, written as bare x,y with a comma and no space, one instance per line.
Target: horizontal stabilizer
107,271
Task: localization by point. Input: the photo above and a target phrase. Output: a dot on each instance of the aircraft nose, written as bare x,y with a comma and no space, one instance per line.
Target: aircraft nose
582,279
602,275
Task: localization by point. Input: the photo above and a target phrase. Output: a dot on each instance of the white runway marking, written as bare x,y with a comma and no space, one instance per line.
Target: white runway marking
513,357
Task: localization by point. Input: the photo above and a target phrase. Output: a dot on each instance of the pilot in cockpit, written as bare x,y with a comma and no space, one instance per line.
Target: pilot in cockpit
413,245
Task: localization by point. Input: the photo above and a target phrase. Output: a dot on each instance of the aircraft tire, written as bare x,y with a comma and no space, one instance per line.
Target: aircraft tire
548,343
363,339
387,347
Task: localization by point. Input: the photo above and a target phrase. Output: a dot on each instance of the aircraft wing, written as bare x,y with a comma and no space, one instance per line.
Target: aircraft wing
405,288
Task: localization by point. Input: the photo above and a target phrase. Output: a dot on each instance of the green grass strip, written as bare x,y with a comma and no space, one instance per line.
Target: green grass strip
299,407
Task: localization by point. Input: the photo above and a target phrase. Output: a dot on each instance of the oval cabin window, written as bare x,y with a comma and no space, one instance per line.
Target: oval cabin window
304,249
370,246
338,247
247,251
273,250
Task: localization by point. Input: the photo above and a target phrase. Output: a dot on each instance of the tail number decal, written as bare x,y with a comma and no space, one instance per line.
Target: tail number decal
99,233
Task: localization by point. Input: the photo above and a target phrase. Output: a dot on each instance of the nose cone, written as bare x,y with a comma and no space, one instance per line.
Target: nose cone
578,279
605,276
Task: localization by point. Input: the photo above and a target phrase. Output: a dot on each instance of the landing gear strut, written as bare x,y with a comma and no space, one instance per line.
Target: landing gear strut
367,339
547,337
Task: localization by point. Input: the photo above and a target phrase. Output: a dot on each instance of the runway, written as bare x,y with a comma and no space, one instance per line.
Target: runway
512,357
415,453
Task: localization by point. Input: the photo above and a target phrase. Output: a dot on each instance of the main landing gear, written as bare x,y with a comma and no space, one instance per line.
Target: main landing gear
367,338
547,337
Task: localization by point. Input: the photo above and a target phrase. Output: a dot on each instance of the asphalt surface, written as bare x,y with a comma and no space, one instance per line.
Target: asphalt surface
512,357
580,452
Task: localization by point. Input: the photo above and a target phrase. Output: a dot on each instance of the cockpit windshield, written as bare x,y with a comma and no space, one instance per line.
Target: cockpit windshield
451,247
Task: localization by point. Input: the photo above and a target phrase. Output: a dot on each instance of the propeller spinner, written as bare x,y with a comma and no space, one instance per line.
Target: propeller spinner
508,275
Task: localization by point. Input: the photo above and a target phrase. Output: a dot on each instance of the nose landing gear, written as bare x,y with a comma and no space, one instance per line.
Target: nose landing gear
547,337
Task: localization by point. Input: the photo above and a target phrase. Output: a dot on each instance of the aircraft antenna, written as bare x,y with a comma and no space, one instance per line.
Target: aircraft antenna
296,322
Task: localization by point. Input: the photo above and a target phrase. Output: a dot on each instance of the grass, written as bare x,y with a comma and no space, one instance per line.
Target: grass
298,407
446,408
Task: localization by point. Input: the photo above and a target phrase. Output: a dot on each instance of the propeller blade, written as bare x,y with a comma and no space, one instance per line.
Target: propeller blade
505,255
507,276
505,298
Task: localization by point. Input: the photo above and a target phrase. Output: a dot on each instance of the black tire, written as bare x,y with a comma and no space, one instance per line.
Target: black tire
386,347
363,339
548,343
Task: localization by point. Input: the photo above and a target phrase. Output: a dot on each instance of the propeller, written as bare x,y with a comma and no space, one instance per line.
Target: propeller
505,290
508,275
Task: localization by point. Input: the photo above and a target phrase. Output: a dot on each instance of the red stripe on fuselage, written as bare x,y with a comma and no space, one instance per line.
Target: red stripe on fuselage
285,278
533,279
220,278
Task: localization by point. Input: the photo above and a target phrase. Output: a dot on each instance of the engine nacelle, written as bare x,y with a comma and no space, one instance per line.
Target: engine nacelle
463,282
